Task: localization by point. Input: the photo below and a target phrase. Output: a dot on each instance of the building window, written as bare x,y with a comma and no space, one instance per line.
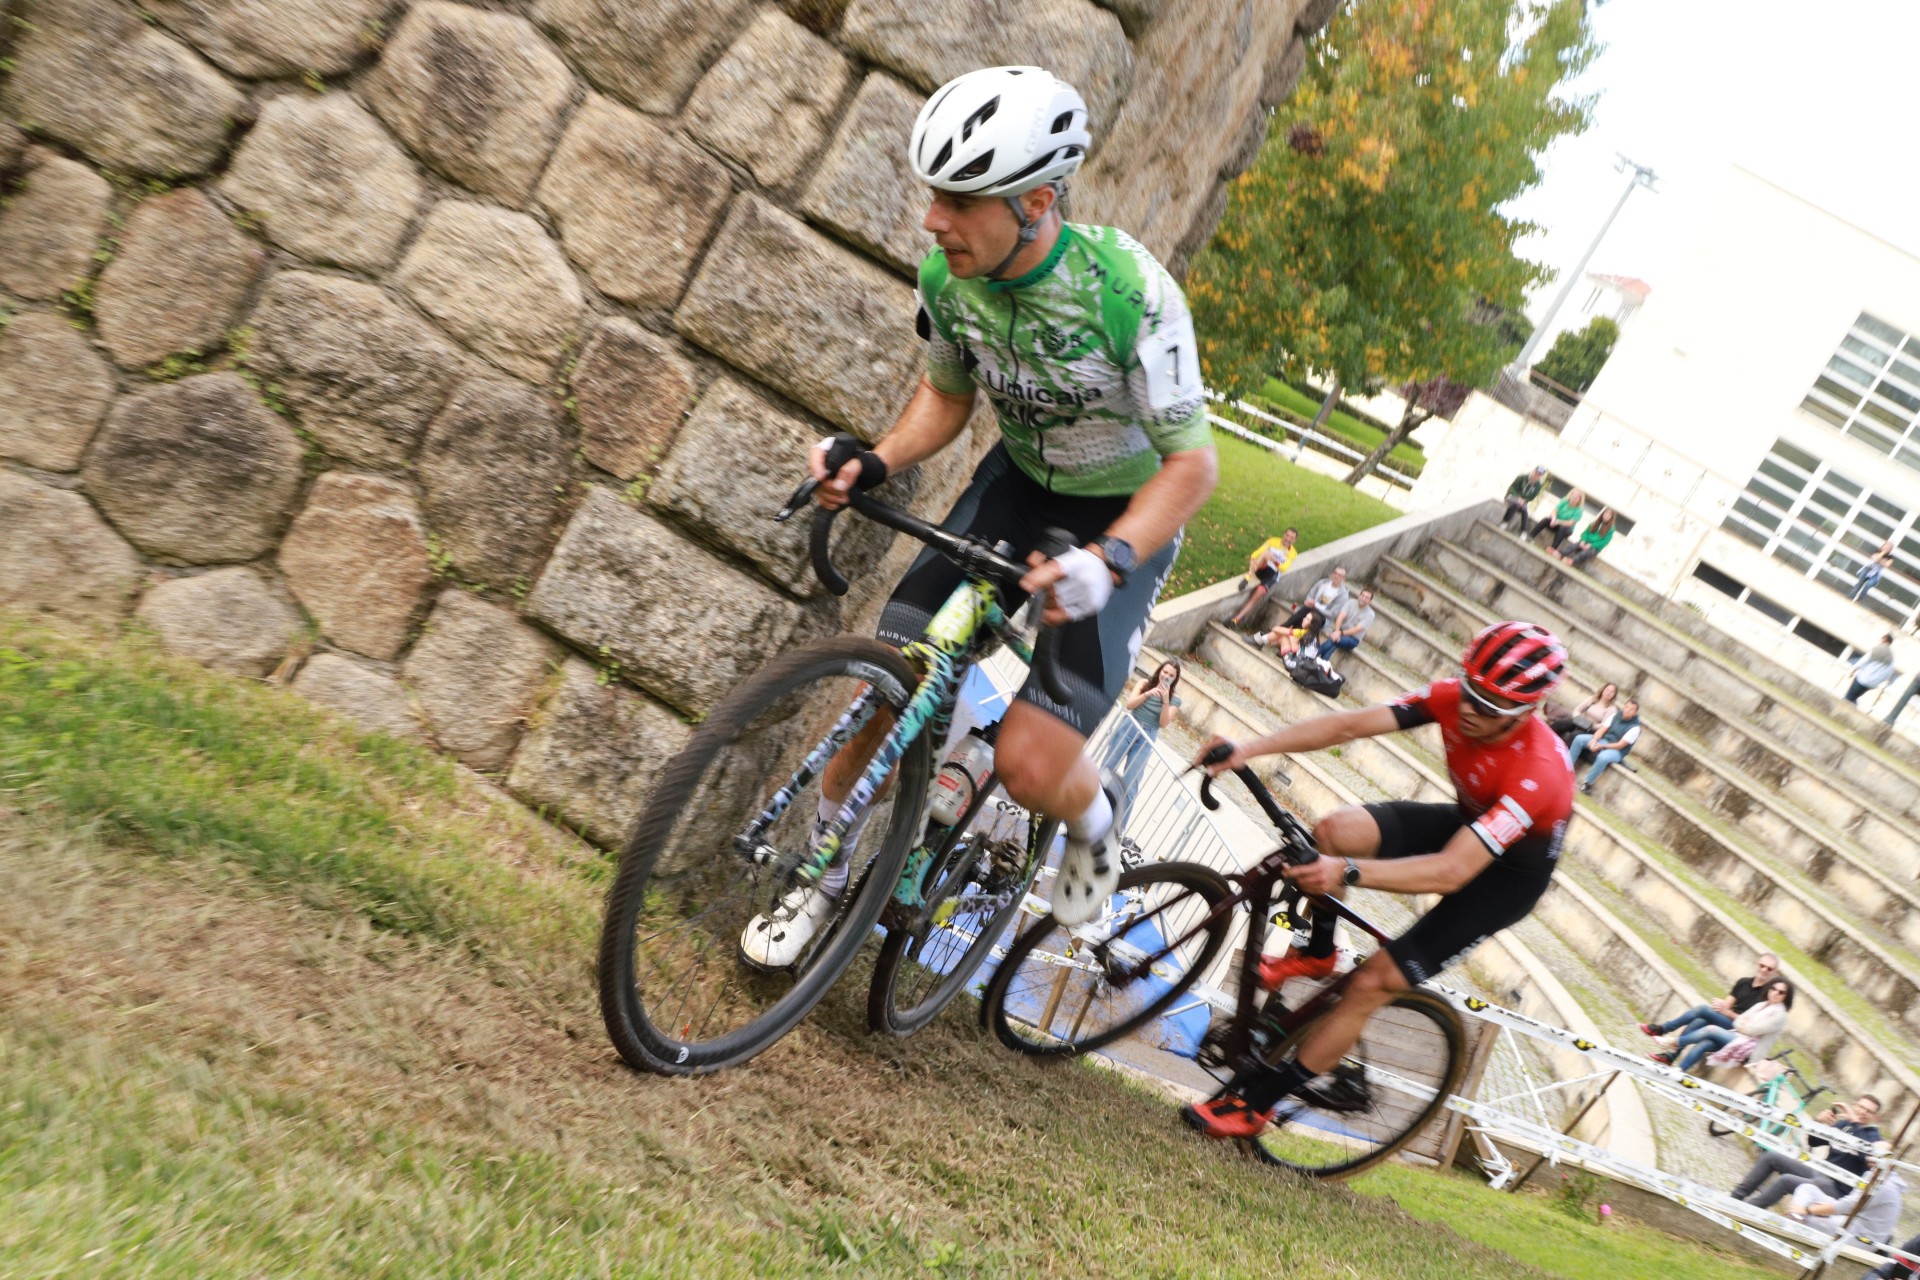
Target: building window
1825,526
1870,390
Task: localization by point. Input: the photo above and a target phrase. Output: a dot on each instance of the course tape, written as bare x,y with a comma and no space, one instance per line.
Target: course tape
1715,1206
1671,1081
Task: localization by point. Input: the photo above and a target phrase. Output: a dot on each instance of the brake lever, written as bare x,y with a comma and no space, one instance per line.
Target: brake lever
797,501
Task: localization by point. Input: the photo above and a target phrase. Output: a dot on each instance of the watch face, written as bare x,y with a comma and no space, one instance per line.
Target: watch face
1120,554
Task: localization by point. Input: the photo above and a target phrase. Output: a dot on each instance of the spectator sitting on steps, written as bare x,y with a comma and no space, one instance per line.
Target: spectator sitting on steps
1269,560
1775,1175
1563,519
1348,630
1761,1024
1872,669
1592,541
1742,996
1875,1220
1610,749
1325,601
1591,716
1520,496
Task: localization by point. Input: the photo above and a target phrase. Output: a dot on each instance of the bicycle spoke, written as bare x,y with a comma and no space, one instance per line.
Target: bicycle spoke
1385,1091
708,955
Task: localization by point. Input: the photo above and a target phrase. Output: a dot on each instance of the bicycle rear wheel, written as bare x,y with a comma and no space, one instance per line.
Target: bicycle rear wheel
1061,992
919,972
676,993
1382,1095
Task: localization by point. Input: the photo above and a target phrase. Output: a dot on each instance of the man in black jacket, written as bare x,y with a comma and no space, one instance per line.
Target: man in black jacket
1780,1174
1520,496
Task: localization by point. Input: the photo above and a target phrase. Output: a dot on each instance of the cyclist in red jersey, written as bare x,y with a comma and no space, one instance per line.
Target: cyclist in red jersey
1490,855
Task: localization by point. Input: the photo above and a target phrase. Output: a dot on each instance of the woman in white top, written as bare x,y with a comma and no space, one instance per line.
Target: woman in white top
1762,1023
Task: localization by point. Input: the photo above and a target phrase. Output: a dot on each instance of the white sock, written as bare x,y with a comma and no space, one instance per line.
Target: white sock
1095,821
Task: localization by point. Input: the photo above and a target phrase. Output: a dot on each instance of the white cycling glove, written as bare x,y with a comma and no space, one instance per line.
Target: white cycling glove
1087,586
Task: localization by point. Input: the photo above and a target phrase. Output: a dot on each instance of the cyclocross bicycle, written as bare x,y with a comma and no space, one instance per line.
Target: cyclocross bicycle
1788,1091
1061,992
727,832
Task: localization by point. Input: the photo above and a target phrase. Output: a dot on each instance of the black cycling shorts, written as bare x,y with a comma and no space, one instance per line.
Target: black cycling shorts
1096,653
1267,575
1502,895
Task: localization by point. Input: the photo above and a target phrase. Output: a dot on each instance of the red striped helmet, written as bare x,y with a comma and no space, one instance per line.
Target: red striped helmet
1518,661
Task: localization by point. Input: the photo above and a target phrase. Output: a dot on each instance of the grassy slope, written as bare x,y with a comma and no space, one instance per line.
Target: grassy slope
284,999
1358,433
1260,493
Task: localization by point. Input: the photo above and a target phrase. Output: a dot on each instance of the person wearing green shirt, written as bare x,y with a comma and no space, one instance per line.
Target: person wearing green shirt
1083,346
1592,541
1520,496
1560,523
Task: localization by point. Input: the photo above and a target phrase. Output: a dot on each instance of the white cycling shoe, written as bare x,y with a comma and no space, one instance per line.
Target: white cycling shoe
775,940
1090,869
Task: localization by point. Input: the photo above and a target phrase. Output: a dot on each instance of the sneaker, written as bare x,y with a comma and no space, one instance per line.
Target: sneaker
1258,641
1090,869
1646,1029
775,940
1224,1117
1586,788
1275,970
1664,1059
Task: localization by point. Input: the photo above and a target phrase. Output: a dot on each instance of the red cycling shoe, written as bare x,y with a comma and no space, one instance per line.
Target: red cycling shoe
1275,970
1226,1116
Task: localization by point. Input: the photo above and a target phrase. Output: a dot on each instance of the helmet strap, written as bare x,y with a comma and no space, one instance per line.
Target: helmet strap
1029,232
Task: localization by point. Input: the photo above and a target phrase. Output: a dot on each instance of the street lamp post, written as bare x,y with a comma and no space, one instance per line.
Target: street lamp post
1641,176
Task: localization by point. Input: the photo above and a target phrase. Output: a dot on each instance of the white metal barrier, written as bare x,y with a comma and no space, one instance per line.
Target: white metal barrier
1740,1112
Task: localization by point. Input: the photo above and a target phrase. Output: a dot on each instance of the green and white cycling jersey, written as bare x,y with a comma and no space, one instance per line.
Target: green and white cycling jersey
1089,360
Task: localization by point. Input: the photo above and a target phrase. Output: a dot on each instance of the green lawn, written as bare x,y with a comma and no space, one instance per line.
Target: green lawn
1356,432
279,998
1260,493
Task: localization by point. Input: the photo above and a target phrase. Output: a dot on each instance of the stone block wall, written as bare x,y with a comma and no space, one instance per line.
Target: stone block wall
444,360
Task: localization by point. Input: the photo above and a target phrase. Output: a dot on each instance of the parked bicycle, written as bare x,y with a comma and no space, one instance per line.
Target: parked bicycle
1061,992
728,832
1787,1091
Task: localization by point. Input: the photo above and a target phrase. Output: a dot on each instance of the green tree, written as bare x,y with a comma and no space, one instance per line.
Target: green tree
1575,358
1367,241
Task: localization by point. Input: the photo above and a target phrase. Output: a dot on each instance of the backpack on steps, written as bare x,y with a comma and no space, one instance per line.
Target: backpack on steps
1314,675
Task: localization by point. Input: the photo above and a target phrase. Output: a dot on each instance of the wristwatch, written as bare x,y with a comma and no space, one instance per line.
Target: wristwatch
1351,875
1119,555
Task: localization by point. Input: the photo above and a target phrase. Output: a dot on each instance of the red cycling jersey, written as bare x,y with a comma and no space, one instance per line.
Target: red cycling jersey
1516,795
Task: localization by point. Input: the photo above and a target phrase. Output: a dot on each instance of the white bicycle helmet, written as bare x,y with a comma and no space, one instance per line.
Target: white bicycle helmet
1001,131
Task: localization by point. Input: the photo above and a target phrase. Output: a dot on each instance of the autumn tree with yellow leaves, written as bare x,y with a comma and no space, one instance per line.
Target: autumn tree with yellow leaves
1367,243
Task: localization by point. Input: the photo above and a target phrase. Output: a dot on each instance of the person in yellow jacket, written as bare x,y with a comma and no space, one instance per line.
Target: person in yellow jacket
1269,560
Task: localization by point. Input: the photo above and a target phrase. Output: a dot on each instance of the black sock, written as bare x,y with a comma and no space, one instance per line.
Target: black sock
1262,1087
1320,941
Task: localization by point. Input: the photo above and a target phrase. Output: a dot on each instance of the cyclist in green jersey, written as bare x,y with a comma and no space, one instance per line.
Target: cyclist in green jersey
1084,347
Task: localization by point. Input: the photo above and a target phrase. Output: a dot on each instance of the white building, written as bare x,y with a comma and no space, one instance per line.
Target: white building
1759,425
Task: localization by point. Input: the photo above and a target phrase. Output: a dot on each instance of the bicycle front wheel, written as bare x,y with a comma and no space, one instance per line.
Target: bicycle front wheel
677,992
1064,991
1381,1096
975,892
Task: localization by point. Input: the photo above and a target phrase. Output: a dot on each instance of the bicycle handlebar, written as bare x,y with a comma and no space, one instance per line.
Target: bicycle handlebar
1298,844
971,554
